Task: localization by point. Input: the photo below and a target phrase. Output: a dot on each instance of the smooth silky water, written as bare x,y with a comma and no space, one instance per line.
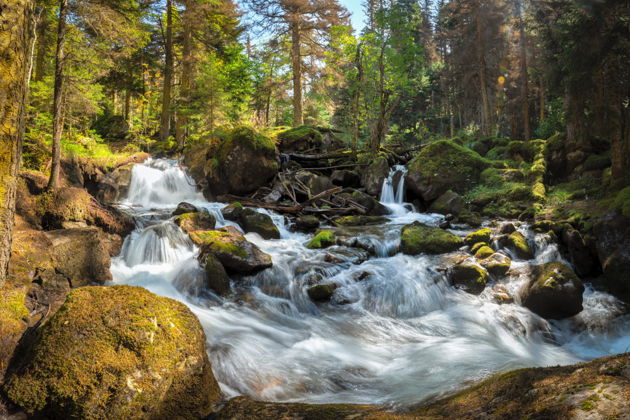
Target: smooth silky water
395,332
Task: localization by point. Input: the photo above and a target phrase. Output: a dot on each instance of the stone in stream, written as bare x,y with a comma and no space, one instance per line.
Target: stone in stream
190,222
482,235
360,220
260,223
322,239
116,352
418,238
374,174
230,247
183,208
321,292
448,203
468,277
519,245
553,291
484,252
306,223
371,205
217,278
497,264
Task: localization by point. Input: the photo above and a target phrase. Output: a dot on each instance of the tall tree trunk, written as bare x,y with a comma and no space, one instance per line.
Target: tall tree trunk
486,118
542,100
357,97
181,130
58,116
42,46
524,73
296,59
165,120
15,36
127,104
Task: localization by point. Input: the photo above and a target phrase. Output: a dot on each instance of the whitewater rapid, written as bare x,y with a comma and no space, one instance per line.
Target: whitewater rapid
395,332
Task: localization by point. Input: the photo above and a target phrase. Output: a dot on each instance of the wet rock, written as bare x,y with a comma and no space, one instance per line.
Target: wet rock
362,275
579,254
115,185
372,206
507,228
448,203
260,223
217,278
321,292
190,222
468,277
350,179
484,252
469,218
117,352
482,235
183,208
519,245
323,239
612,233
418,238
232,212
501,295
554,291
475,247
497,264
443,166
361,220
445,225
374,174
230,247
306,223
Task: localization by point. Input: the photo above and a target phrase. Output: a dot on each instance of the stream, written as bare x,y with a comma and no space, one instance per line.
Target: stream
395,333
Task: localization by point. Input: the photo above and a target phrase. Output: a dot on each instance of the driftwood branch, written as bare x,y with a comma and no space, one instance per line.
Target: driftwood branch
302,207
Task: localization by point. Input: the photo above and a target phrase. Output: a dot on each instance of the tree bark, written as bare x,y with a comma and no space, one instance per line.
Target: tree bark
165,120
181,130
15,36
486,118
296,59
58,116
42,43
524,72
127,104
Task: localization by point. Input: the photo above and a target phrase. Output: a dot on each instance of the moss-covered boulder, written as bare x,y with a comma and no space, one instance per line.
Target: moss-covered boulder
183,208
190,222
442,166
374,174
300,139
260,223
343,178
361,220
323,239
321,292
306,223
217,278
612,233
232,212
448,203
230,247
518,244
497,264
554,291
468,277
482,235
238,163
117,352
483,252
371,205
418,238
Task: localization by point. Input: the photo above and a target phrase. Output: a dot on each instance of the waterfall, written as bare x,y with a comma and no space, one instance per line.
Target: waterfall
395,331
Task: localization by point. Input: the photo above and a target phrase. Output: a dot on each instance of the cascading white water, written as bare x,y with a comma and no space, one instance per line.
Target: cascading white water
395,333
391,194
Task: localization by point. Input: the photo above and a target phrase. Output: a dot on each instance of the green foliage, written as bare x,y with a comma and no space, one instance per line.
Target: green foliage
597,162
323,239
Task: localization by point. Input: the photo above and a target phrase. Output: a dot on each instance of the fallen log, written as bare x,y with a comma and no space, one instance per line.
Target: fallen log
299,208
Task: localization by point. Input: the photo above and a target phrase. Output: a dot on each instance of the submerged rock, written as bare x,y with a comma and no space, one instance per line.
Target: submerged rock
230,247
468,277
321,292
554,291
117,352
418,238
190,222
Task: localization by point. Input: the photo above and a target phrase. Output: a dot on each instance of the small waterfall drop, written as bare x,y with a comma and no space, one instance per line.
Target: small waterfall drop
391,194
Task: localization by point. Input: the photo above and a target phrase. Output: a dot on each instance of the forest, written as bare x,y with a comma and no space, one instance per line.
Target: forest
314,209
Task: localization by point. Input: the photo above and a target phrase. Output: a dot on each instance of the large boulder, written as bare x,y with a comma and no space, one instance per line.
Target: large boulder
612,234
190,222
497,264
554,291
448,203
468,277
217,278
230,247
260,223
442,166
300,139
241,163
418,238
518,244
374,174
372,206
184,207
116,352
306,223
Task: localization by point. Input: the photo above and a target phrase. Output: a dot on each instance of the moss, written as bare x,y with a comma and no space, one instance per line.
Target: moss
554,274
622,202
307,134
13,322
418,238
523,150
476,247
539,191
361,220
196,221
484,252
470,277
517,242
482,235
323,239
497,153
218,241
237,205
117,352
597,162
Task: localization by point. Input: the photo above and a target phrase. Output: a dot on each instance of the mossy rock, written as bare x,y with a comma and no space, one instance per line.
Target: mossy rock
321,292
523,150
482,235
300,139
469,277
14,317
554,291
497,264
217,278
190,222
418,238
477,246
518,244
232,212
323,239
361,220
448,203
470,218
183,208
444,165
117,352
484,252
230,247
260,223
622,202
306,223
597,162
